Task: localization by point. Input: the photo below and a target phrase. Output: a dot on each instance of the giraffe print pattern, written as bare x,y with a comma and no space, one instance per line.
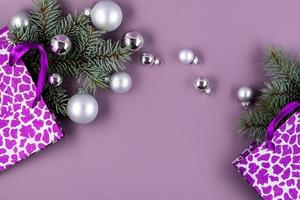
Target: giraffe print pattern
275,174
23,130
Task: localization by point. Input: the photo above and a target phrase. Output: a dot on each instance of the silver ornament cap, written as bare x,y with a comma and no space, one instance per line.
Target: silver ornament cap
245,94
120,82
20,20
202,84
60,44
55,79
106,15
82,108
149,59
133,40
187,56
87,12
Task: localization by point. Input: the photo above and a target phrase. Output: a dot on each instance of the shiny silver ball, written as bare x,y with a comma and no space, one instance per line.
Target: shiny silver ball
245,94
106,15
133,40
120,82
202,84
187,56
60,44
82,108
149,59
55,79
20,20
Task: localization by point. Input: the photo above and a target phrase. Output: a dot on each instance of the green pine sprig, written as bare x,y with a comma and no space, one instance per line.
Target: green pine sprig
92,60
282,88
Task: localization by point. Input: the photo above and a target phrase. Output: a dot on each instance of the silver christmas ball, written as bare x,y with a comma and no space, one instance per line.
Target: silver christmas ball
202,84
82,108
245,94
60,44
187,56
106,15
133,40
149,59
20,20
120,82
55,79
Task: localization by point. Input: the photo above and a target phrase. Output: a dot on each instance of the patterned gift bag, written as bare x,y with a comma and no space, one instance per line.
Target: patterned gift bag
24,129
273,167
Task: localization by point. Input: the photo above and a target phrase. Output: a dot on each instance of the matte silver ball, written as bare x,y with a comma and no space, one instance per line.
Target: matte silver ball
245,94
120,82
55,79
133,40
149,59
106,15
20,20
60,44
82,108
202,84
187,56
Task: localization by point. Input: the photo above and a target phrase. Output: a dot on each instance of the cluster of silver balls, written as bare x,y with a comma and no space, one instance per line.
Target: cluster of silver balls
107,16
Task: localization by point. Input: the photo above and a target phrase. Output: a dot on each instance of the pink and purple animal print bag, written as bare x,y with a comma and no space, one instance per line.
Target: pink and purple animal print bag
273,167
24,129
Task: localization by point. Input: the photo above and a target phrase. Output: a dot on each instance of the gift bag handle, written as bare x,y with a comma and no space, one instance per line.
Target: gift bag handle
286,111
16,55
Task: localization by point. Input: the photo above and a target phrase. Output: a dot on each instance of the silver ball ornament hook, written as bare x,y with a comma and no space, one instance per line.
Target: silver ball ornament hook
245,94
149,59
187,56
202,84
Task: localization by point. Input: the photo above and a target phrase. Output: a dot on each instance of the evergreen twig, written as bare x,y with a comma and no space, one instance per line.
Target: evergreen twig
282,88
91,59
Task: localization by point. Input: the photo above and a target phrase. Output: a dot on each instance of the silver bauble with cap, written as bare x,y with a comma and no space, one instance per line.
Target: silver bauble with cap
245,94
149,59
187,56
202,84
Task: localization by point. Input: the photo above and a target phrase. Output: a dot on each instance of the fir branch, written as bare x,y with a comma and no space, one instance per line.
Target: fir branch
57,99
92,60
45,17
282,88
279,65
71,24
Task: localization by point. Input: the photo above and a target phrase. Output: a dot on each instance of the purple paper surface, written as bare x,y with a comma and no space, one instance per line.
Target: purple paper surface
164,140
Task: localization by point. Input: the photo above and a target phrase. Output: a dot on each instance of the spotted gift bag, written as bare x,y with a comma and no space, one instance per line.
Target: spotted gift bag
24,129
273,167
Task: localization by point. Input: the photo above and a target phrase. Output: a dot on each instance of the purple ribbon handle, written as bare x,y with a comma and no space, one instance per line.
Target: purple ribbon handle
16,55
287,110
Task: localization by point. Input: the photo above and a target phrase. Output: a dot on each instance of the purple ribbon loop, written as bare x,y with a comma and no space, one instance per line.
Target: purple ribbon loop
288,109
16,55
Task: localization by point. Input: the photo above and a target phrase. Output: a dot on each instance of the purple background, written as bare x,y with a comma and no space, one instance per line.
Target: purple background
164,140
